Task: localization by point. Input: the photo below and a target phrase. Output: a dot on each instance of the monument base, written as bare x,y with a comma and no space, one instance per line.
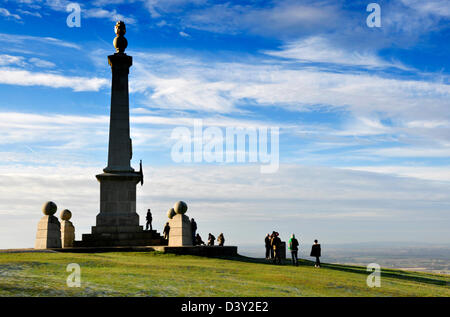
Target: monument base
124,237
180,233
67,234
48,233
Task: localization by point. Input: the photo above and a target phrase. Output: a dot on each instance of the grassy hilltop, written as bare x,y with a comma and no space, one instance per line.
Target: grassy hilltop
157,274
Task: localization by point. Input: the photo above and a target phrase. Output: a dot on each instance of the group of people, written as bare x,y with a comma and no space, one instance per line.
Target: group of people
273,249
196,238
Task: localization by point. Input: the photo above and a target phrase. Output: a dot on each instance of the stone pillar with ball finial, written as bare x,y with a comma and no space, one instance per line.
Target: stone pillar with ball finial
48,234
180,233
67,229
118,182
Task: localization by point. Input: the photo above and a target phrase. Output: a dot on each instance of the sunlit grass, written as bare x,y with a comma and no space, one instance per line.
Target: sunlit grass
157,274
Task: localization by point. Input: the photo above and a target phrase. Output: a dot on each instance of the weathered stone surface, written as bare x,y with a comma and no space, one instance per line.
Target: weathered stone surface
48,233
180,231
67,234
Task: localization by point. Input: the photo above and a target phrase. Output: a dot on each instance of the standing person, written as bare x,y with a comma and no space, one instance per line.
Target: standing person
293,246
276,245
193,230
149,220
211,239
315,251
272,236
267,243
221,240
166,231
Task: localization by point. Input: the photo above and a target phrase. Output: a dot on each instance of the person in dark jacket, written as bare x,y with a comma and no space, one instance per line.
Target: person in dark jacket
211,239
193,230
221,240
166,231
316,252
198,240
267,243
149,220
276,245
293,246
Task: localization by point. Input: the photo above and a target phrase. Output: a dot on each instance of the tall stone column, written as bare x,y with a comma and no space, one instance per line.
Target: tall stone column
117,224
120,147
119,180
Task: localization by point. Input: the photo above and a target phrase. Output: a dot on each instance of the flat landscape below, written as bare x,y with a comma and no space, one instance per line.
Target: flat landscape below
158,274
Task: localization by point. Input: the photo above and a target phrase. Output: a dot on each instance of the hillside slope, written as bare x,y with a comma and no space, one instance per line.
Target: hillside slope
156,274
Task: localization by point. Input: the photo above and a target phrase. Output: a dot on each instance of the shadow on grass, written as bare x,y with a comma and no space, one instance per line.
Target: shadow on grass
392,273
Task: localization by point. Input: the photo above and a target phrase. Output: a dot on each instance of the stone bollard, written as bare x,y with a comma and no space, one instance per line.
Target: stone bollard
180,233
67,229
49,229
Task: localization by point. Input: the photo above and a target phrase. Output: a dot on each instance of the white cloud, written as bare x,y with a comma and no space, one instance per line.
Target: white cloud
4,12
434,7
184,34
436,173
41,63
26,39
12,76
319,49
110,15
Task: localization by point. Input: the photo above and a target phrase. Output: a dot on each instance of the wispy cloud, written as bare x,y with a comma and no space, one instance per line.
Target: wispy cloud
12,76
5,13
23,39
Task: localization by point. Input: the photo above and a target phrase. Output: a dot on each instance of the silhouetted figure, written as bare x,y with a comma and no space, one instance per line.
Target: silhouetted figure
315,251
271,247
293,246
268,247
198,240
276,245
221,240
193,230
149,220
211,239
166,231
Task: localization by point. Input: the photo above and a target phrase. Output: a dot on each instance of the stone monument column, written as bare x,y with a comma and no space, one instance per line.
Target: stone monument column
119,180
117,223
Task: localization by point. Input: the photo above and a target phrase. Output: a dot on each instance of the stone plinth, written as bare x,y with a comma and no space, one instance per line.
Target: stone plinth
180,231
48,233
117,203
283,250
67,234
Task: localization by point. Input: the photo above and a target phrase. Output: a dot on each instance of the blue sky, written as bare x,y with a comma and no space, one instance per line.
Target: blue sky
363,114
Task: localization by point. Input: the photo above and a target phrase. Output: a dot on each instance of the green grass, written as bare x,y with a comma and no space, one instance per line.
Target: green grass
157,274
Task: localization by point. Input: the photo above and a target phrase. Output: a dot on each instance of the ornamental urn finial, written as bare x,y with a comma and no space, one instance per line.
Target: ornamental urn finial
120,42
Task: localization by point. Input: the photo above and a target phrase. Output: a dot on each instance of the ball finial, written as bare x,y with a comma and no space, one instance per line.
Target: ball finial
66,214
180,207
49,208
171,213
120,42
